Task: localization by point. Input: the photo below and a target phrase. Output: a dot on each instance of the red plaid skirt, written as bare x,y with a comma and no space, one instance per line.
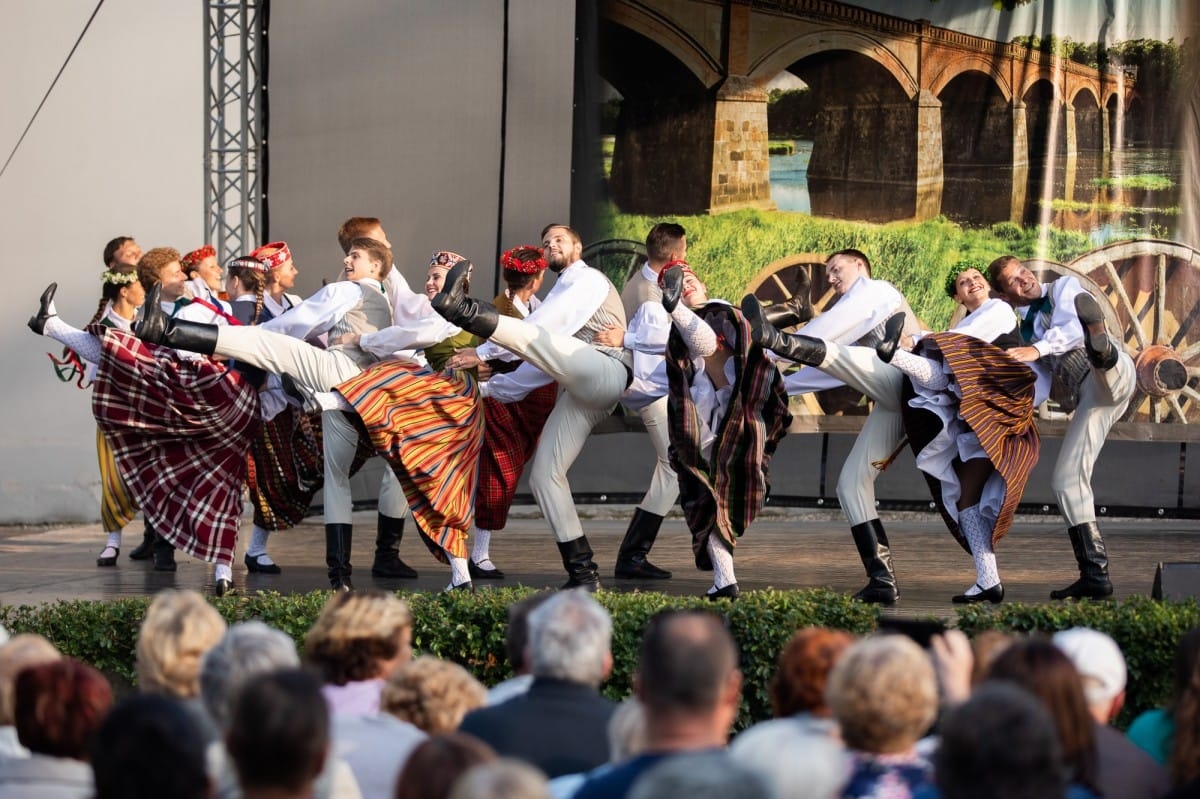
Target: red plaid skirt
180,431
510,436
429,427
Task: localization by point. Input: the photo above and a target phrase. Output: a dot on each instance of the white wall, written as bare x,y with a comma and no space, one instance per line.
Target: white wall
117,150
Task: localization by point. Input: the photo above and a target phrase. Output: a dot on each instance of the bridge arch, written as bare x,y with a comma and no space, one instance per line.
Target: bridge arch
773,62
966,64
656,28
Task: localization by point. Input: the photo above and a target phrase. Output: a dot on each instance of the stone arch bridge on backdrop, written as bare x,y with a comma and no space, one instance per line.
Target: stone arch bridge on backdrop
901,104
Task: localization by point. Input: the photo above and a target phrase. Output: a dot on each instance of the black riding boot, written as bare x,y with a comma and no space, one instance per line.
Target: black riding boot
387,550
1090,554
158,328
631,559
876,555
164,555
474,316
144,550
582,571
793,346
793,311
337,555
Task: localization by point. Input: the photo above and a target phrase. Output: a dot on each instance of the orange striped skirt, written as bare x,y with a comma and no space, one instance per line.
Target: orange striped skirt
117,507
429,427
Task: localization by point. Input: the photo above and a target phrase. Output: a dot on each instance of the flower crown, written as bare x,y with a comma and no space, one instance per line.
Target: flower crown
509,259
111,278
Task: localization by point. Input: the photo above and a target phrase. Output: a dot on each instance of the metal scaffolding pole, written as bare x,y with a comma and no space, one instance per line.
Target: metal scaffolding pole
234,125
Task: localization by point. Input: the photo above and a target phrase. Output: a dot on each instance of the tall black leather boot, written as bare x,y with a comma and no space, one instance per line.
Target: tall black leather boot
164,555
337,555
453,304
793,346
793,311
631,559
144,550
1092,557
158,328
582,571
387,550
876,555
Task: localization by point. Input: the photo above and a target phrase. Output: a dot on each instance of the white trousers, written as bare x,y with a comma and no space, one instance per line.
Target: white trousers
664,485
340,442
881,434
591,384
1102,400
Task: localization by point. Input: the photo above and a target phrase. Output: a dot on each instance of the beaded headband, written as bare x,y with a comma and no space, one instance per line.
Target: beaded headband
248,262
445,258
274,259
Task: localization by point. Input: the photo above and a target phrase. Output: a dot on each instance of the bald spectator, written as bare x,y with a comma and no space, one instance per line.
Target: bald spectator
689,685
1122,769
560,724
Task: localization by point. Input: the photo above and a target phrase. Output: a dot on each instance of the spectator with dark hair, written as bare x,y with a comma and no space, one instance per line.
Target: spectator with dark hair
516,643
1041,668
435,766
1000,743
560,723
154,729
59,706
278,735
1171,734
689,684
16,654
884,694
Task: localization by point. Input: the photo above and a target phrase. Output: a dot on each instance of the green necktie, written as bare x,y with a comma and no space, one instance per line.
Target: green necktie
1040,305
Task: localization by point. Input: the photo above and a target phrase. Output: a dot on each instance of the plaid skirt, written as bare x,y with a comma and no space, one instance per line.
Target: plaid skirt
429,427
179,430
510,436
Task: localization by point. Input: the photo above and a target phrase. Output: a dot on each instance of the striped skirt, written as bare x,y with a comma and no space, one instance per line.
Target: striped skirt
429,427
117,506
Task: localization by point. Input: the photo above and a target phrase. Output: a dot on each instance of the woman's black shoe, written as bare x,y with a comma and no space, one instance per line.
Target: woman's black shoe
730,591
995,595
110,560
477,572
222,587
255,567
37,322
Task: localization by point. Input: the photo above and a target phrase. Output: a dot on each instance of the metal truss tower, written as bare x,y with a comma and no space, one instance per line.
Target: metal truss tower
235,89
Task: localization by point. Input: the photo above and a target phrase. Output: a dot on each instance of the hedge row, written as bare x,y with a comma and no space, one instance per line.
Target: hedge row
469,629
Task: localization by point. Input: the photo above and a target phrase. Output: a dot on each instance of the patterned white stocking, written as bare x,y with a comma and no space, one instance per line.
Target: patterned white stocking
925,372
85,345
979,535
722,560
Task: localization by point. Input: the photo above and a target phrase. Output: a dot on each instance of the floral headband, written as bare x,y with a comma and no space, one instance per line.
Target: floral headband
445,258
956,271
529,266
112,278
687,270
196,256
274,259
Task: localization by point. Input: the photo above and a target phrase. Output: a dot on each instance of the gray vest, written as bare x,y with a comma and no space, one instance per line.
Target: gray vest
611,313
373,312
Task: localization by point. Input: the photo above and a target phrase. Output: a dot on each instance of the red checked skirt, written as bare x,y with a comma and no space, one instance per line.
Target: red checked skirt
510,437
179,431
429,427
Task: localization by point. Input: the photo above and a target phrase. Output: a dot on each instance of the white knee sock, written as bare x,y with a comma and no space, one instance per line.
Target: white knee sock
722,561
223,572
458,571
114,540
479,552
925,372
258,545
979,535
84,344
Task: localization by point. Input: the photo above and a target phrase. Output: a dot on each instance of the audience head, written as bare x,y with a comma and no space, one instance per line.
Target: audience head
360,635
570,636
986,647
814,766
249,648
884,694
278,735
59,706
799,682
626,730
710,774
150,730
1185,707
1101,666
1000,743
432,694
21,651
436,763
180,626
688,669
516,637
505,778
1043,670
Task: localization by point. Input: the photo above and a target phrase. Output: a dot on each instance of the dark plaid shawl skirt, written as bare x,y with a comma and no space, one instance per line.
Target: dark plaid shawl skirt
179,431
997,405
429,427
724,493
510,435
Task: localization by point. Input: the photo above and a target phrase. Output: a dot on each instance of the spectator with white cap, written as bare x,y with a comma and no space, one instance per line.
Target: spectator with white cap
1122,769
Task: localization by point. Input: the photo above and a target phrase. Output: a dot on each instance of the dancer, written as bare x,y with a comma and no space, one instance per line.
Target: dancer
205,276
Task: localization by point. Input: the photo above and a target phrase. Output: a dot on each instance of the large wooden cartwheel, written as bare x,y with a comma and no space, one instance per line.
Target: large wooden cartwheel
618,259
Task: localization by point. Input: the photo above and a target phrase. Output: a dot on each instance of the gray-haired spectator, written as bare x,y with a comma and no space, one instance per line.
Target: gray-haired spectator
516,643
701,775
1122,769
19,652
815,766
560,724
505,778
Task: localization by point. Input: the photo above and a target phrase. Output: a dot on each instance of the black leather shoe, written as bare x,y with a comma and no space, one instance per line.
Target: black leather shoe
467,586
1084,588
995,595
392,566
1100,349
672,287
222,587
144,550
164,555
37,322
341,584
631,569
479,573
255,567
892,329
108,561
877,593
730,591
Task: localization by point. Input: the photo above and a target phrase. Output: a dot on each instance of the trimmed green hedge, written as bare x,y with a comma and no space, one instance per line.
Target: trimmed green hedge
469,629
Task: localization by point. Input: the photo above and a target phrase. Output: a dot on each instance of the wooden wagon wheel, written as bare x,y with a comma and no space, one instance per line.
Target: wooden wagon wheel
782,279
618,259
1154,288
